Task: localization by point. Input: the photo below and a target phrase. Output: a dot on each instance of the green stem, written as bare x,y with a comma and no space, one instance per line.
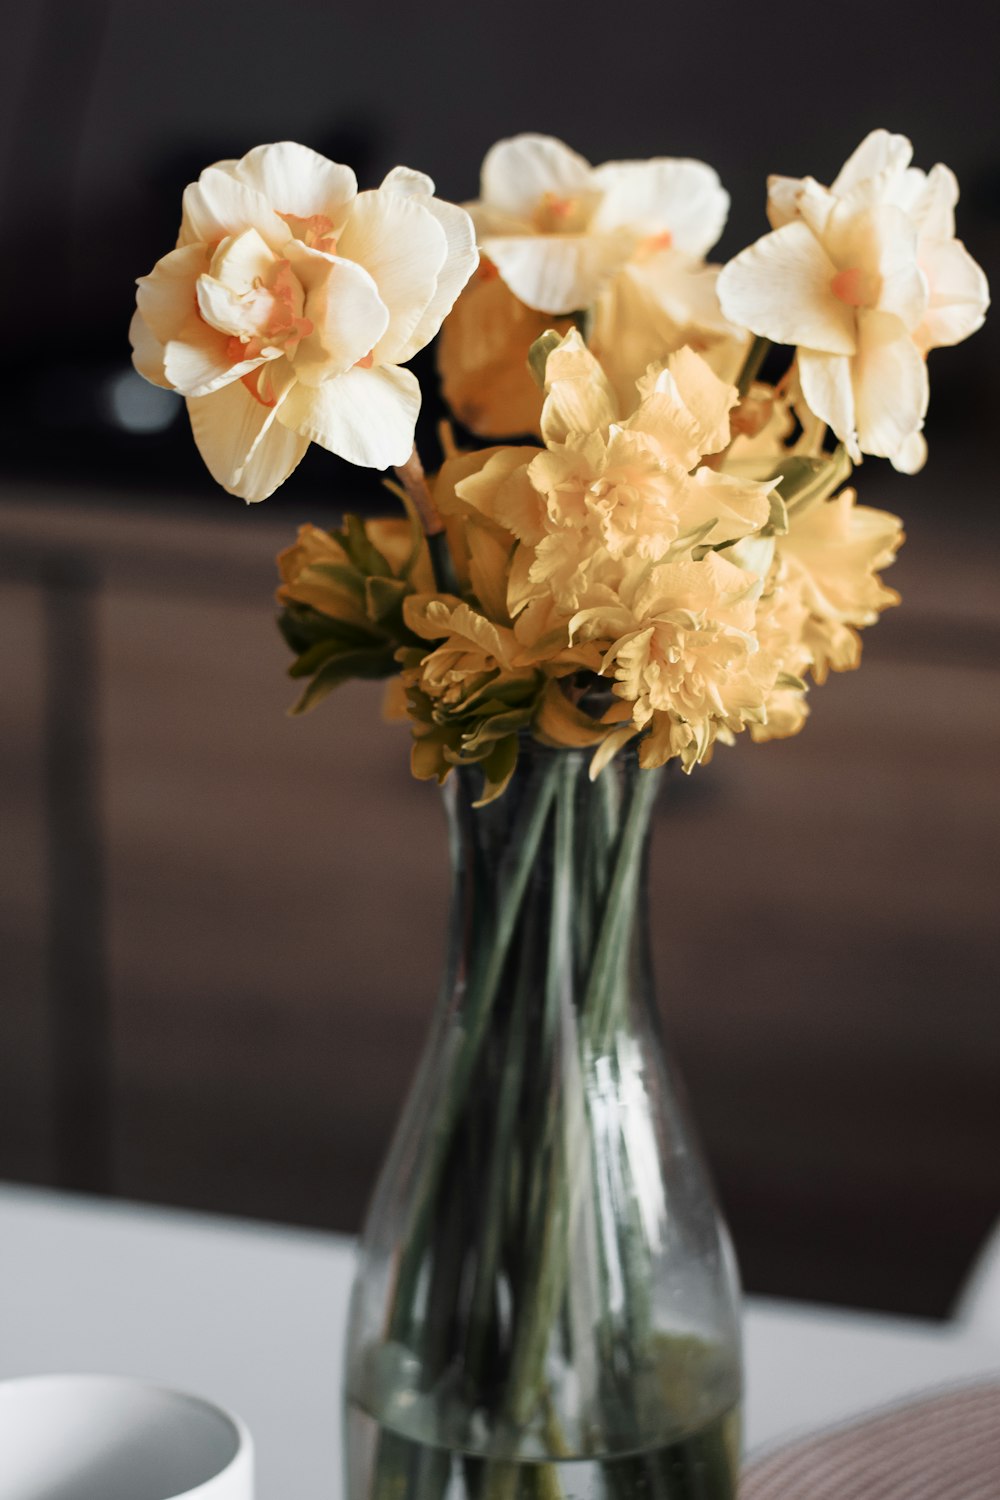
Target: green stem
598,1004
751,365
482,990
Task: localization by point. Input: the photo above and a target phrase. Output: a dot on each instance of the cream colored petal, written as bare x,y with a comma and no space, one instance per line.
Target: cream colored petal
242,260
490,221
881,242
166,297
502,491
708,399
461,260
827,390
343,305
482,358
911,455
878,152
780,288
782,199
409,182
201,362
736,506
559,273
296,180
682,198
930,201
195,358
959,295
518,172
365,416
403,248
147,352
890,385
579,400
244,448
219,205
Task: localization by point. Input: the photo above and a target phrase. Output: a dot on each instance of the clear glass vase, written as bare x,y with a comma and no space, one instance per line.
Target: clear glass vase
546,1302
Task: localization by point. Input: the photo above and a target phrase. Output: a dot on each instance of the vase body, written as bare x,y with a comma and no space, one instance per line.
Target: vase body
546,1302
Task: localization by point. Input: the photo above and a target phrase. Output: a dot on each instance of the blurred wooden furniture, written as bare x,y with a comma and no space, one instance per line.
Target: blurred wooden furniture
250,909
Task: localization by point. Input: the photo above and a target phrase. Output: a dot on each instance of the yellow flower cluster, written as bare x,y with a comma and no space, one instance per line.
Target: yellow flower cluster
671,552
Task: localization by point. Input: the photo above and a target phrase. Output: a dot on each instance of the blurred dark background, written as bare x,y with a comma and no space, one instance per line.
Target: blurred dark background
221,929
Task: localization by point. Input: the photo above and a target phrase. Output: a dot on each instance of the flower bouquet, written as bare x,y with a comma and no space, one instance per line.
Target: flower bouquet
636,545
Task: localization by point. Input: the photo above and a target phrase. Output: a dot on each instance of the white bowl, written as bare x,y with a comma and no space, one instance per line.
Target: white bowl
104,1437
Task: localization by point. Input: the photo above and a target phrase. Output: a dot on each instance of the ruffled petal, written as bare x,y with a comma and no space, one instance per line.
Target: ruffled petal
684,409
366,416
244,448
827,390
220,204
345,309
579,399
780,288
403,248
296,180
518,172
559,273
890,385
879,151
959,295
680,198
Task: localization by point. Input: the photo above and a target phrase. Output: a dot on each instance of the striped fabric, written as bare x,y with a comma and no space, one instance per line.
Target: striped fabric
946,1447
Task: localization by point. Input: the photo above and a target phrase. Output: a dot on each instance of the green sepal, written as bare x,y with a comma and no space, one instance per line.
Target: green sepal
375,662
384,601
302,627
538,354
363,553
498,768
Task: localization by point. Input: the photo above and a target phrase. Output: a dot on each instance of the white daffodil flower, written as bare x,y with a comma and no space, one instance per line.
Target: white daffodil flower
558,230
289,304
865,277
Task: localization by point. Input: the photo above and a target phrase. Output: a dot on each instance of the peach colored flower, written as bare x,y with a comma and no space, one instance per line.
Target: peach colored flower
288,306
864,277
482,356
626,241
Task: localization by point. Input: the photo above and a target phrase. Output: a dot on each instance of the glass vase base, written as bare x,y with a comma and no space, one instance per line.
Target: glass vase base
700,1465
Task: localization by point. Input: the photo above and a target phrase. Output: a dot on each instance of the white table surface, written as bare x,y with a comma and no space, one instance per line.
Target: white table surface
253,1316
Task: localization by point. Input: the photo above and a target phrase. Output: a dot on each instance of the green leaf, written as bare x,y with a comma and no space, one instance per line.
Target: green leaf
496,727
362,552
303,626
805,481
384,601
373,663
498,768
777,521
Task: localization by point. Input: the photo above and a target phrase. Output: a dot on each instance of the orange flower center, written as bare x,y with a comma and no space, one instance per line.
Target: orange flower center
276,321
856,287
316,231
558,215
